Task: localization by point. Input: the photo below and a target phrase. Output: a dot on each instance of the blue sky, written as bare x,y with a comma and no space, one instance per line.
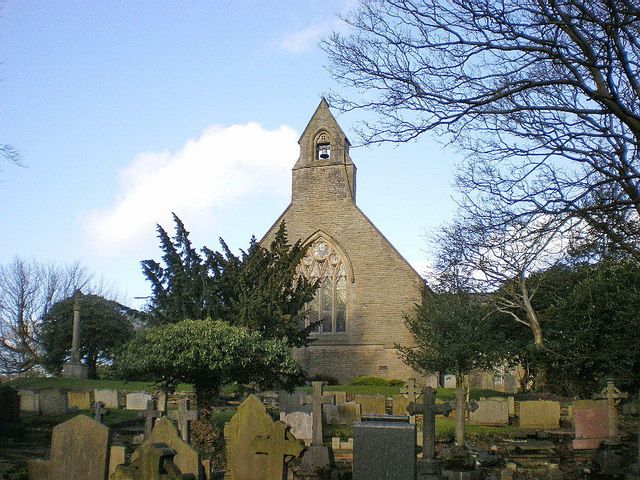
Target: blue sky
126,111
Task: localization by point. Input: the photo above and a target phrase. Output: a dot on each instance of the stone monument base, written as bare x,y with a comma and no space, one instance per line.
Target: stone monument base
317,460
75,370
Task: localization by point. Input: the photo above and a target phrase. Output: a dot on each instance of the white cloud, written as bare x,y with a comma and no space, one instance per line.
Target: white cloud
305,39
222,167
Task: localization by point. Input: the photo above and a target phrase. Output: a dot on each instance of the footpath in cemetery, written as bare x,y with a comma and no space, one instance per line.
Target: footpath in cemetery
314,433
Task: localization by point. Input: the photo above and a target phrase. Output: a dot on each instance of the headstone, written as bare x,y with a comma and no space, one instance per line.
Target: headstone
590,424
53,402
290,402
98,410
280,447
540,414
154,461
79,451
462,407
490,412
384,450
184,417
79,400
613,396
150,414
399,405
250,421
339,397
162,401
372,404
301,425
343,414
411,391
137,400
186,458
449,381
108,397
117,456
428,466
29,401
317,400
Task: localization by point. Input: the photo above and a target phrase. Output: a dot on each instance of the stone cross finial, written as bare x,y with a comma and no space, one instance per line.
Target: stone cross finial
278,444
411,391
184,417
149,414
317,400
429,409
613,395
98,410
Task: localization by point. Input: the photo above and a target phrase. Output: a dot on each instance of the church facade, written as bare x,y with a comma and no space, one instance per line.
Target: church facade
366,286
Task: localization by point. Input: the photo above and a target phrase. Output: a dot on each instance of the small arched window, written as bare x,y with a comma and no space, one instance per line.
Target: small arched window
324,264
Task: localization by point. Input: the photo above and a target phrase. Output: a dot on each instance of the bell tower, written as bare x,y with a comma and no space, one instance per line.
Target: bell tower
324,166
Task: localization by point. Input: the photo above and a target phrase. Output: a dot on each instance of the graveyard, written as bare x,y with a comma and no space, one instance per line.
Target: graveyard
314,432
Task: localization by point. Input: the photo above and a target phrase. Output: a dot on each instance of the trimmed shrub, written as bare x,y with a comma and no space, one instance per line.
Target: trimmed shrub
377,381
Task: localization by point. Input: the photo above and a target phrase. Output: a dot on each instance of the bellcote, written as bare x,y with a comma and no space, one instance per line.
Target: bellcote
324,160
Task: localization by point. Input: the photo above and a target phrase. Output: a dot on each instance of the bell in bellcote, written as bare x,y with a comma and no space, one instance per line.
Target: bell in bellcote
323,151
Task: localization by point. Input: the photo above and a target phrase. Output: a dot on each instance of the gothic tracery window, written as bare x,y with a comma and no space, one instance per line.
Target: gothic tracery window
325,265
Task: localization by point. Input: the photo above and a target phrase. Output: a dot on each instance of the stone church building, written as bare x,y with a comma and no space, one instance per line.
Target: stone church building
365,284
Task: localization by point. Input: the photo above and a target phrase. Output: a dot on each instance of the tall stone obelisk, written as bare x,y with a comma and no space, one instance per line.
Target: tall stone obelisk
75,368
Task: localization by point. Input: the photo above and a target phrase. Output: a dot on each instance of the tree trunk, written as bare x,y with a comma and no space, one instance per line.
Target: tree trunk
205,395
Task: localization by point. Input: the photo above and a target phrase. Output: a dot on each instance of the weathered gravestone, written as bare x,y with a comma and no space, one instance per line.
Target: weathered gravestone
342,414
462,407
339,397
250,422
149,414
137,400
384,449
185,457
79,451
79,400
155,461
53,402
590,424
399,405
108,397
490,412
613,396
280,447
540,414
98,411
290,402
318,457
29,401
372,404
301,425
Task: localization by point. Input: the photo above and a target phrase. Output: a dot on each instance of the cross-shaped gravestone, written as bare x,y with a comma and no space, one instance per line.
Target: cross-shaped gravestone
98,410
278,445
429,409
461,407
184,417
613,396
149,414
411,391
317,400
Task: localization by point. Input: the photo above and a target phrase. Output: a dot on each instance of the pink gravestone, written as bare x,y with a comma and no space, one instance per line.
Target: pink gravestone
590,426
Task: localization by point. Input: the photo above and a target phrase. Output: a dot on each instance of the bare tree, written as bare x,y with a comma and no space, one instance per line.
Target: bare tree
544,94
498,261
28,289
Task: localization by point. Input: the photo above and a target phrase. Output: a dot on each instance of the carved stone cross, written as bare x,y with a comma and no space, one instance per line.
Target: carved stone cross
411,391
278,444
98,410
317,400
429,409
613,396
149,414
184,417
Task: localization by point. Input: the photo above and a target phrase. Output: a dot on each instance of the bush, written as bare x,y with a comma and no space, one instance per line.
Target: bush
377,381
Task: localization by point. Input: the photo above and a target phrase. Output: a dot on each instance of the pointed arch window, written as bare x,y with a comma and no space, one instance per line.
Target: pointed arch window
324,264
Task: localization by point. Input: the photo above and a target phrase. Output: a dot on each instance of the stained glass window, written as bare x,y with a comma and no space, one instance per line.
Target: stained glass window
323,264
